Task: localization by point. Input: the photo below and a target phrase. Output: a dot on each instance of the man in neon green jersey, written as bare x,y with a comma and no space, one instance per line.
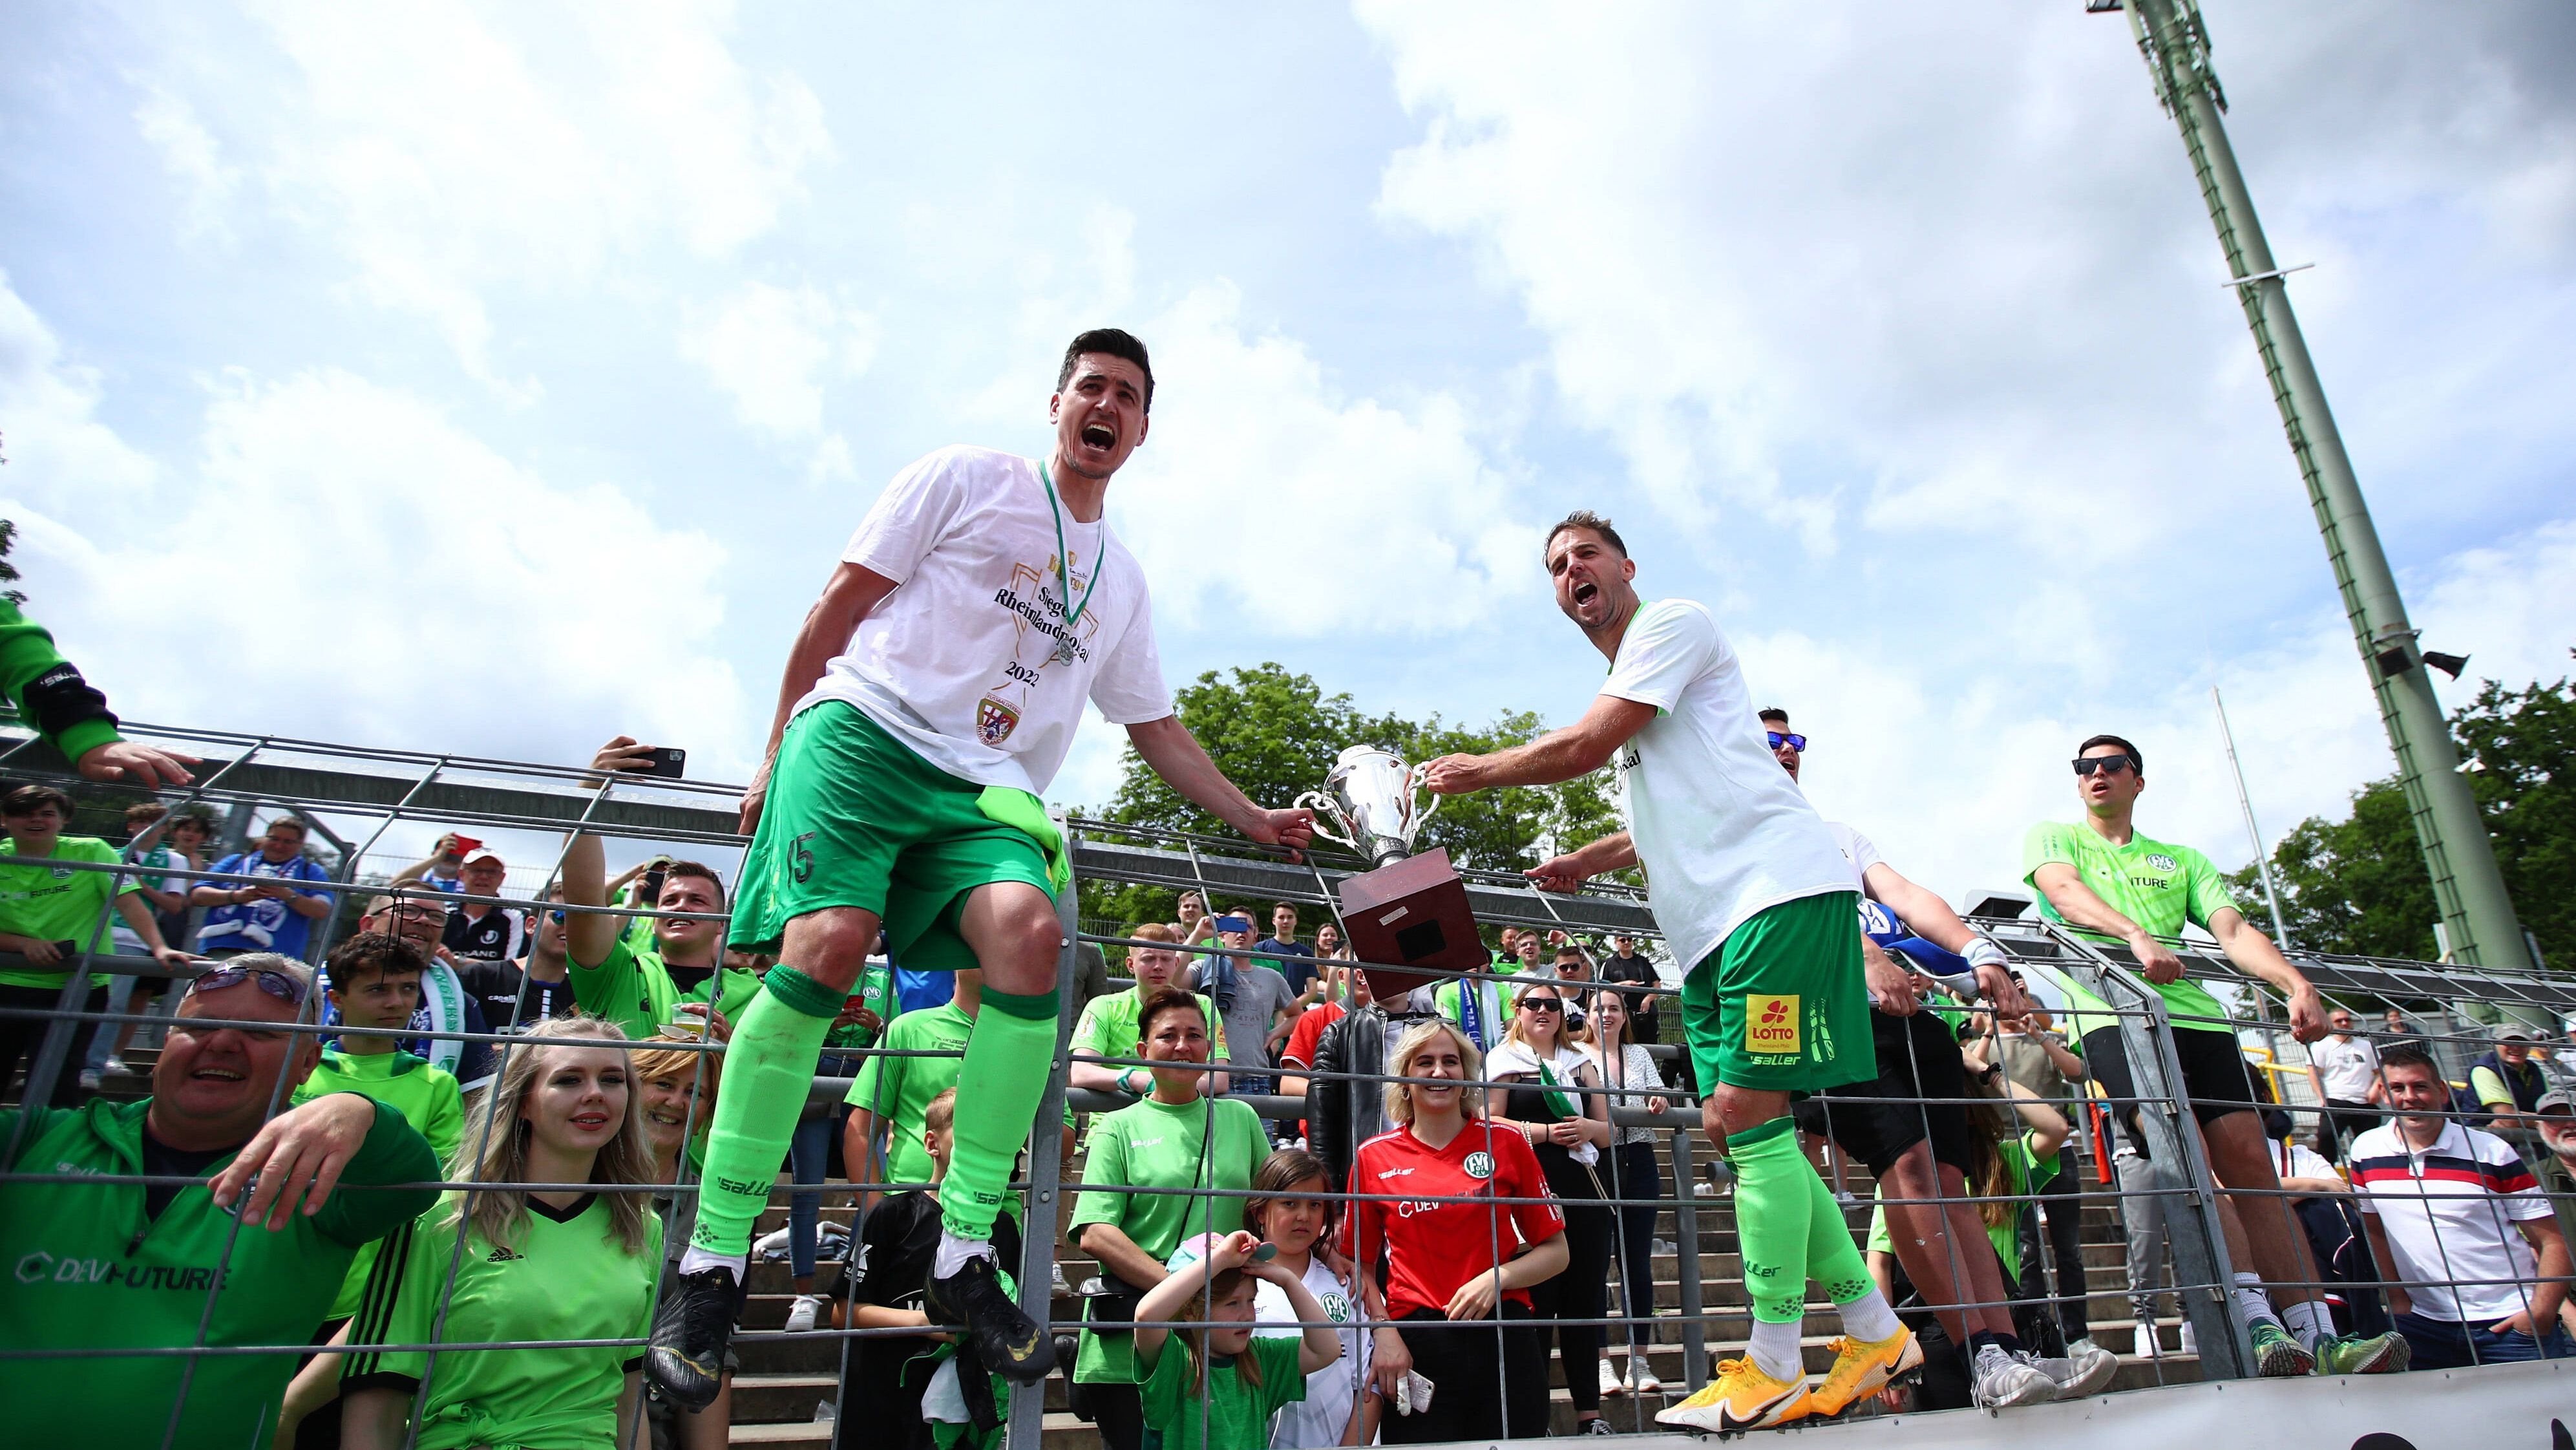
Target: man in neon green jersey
1747,885
2102,877
932,692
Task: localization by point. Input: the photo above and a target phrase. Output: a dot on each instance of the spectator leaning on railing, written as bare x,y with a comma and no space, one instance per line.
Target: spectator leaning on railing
1107,1028
2462,1227
128,1266
270,916
51,913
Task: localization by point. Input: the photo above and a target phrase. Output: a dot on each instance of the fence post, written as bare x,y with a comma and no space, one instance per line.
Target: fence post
2199,1241
1686,1261
1046,1166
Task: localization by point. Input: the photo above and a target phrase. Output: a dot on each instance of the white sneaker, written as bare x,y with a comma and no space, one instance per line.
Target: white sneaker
1641,1379
802,1314
89,1080
2003,1382
2149,1346
1062,1290
2086,1368
1666,1246
115,1066
2190,1341
1611,1383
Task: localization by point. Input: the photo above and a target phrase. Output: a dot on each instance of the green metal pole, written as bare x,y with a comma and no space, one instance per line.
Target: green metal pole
2477,915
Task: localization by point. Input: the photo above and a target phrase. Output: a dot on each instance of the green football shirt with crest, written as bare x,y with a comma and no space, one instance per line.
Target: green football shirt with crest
2159,886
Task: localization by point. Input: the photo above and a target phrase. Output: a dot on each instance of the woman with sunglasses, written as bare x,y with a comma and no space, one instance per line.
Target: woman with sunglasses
1632,1175
535,1263
1440,1263
1567,1130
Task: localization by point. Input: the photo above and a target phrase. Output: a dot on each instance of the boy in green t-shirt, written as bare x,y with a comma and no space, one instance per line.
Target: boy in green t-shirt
1107,1027
2109,882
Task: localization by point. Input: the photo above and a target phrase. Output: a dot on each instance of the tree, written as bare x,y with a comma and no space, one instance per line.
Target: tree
8,571
2358,885
1276,734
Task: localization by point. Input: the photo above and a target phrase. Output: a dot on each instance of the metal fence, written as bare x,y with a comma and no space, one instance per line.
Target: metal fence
2212,1217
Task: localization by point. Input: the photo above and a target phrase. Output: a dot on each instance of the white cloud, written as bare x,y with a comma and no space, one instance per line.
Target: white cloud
193,158
451,148
771,350
343,561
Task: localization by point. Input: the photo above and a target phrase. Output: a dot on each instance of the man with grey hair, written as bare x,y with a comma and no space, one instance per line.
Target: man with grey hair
275,1206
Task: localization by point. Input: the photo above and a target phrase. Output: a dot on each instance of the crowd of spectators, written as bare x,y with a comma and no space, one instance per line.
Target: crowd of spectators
1199,1212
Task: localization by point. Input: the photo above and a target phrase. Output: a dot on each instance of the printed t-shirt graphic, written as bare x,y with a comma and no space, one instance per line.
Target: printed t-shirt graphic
2161,887
970,662
1721,829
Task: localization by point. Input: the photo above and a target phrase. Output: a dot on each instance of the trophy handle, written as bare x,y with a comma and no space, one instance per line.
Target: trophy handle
1413,781
1325,809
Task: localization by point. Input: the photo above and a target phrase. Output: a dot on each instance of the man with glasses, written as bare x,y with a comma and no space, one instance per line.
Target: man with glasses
2110,882
277,1207
1746,884
2344,1069
2461,1225
269,915
1909,1125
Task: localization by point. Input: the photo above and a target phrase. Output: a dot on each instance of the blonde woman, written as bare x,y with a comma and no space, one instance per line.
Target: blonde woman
566,1262
1438,1261
1568,1131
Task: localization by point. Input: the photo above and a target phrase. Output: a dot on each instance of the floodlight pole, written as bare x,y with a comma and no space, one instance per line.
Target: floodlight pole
2476,913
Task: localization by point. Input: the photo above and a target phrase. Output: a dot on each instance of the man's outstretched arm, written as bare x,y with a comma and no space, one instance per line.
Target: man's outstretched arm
1560,755
1175,754
1932,919
1613,852
847,597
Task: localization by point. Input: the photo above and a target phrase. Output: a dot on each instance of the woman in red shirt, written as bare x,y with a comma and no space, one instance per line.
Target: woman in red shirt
1453,1272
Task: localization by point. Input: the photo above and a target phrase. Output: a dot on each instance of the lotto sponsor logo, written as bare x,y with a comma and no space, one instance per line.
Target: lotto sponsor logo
1771,1022
40,1267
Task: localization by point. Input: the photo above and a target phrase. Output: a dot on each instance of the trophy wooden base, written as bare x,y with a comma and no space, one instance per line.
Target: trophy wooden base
1411,920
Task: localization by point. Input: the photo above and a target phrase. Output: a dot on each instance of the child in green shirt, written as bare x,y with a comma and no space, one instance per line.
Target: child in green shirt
1216,1388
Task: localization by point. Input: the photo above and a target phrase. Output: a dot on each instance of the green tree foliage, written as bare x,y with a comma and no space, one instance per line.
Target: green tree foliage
9,571
1276,733
2359,884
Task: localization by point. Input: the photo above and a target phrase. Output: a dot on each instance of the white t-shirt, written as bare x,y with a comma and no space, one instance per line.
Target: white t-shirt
1721,829
969,661
2298,1160
2449,1212
2348,1068
1858,853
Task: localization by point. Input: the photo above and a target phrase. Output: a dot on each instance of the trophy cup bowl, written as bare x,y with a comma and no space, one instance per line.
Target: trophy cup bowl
1376,800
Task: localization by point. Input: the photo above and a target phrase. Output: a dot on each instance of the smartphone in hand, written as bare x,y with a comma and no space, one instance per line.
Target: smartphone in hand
667,761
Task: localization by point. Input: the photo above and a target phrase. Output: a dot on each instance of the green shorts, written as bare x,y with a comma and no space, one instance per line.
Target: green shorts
854,818
1781,1004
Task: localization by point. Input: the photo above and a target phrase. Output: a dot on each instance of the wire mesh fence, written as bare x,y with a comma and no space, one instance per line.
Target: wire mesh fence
1995,1198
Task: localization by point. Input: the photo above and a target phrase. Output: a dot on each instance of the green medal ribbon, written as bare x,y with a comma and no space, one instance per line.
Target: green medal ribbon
1063,561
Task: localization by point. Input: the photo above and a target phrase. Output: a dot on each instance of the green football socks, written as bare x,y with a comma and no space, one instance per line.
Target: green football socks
1004,1075
768,1073
1773,1218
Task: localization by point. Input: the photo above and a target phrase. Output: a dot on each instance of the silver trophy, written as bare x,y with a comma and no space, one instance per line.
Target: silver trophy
1371,795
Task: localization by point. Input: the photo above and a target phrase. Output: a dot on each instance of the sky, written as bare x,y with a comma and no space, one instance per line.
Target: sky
497,378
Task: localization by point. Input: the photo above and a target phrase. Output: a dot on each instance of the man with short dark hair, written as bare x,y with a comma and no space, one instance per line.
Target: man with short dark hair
50,914
932,693
2344,1069
270,915
1285,954
2111,882
277,1207
1746,883
1629,967
2462,1226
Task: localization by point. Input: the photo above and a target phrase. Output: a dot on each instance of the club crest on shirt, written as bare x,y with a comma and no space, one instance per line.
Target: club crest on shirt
2162,862
1771,1023
994,721
1480,1164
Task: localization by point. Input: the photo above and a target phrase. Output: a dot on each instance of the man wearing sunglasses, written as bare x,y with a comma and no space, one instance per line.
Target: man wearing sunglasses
121,1265
2104,878
1748,888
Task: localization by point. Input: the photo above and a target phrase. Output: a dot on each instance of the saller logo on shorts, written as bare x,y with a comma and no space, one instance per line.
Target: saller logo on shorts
1771,1022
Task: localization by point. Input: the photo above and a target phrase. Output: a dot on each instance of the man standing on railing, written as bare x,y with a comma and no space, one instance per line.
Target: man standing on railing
931,694
1747,886
2109,881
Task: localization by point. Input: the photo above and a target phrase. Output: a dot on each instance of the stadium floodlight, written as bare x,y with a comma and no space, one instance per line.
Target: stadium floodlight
2477,916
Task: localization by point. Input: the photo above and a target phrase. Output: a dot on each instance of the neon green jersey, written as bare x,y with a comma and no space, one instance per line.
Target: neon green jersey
899,1089
1162,1145
567,1277
86,1267
633,989
61,904
427,1096
1235,1411
2160,887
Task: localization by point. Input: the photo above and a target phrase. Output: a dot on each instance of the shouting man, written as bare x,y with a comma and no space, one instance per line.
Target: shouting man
932,692
1748,888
